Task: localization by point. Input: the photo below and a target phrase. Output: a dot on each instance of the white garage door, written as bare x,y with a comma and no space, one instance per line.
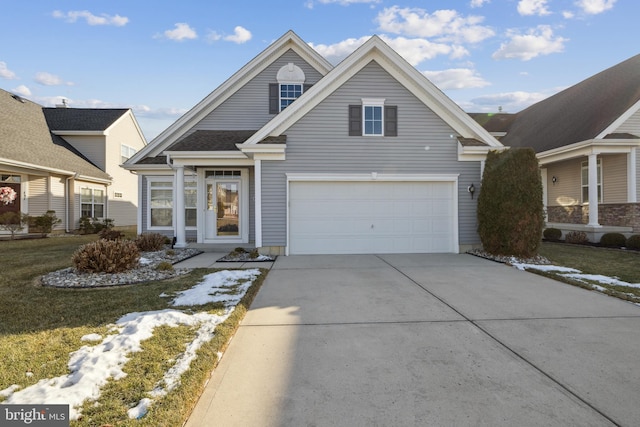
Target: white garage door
371,217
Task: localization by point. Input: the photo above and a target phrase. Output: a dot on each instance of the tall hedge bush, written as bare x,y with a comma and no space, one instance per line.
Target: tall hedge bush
510,208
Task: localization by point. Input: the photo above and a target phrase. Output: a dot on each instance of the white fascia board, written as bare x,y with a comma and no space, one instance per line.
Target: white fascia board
619,121
197,155
585,148
23,165
264,151
147,169
207,161
476,153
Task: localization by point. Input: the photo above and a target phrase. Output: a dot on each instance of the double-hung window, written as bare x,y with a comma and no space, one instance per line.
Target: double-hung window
126,152
190,203
585,182
92,203
288,94
161,203
373,118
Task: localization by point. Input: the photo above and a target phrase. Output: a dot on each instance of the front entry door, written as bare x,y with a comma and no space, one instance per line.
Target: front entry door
223,209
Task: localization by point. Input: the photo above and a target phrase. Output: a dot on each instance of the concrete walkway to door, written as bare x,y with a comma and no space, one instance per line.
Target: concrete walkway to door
425,340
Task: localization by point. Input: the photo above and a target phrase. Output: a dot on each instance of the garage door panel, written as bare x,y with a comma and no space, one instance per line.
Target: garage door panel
371,217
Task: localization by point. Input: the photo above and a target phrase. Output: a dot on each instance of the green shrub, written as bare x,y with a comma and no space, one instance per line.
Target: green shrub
85,226
44,223
633,242
552,234
613,240
510,208
13,222
254,254
576,237
106,256
151,242
110,234
165,266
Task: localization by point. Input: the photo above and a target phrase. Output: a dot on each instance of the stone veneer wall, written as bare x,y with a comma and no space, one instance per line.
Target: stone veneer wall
615,214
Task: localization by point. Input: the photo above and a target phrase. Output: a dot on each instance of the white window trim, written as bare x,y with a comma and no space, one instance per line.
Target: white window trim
150,181
191,182
280,84
127,151
93,202
372,102
585,166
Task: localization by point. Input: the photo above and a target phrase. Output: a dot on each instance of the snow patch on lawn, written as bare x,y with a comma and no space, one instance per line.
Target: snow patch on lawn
92,366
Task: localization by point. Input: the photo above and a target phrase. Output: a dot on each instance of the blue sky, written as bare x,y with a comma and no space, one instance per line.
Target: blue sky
162,57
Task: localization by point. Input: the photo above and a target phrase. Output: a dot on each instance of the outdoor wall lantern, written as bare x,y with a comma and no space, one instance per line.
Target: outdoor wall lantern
554,179
471,189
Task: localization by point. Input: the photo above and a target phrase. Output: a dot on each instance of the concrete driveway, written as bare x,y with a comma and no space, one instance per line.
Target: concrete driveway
425,340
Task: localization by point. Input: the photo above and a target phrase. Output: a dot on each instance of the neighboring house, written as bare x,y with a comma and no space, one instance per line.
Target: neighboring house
370,158
586,138
67,160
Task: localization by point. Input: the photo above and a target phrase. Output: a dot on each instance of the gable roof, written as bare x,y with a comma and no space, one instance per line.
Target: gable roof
377,50
26,141
180,127
82,119
588,110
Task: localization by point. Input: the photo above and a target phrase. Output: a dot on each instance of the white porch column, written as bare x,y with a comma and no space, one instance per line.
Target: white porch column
593,190
181,240
632,189
258,202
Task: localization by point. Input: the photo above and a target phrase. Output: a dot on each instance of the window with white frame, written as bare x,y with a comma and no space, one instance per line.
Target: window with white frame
373,119
126,152
190,203
92,202
585,182
288,94
161,203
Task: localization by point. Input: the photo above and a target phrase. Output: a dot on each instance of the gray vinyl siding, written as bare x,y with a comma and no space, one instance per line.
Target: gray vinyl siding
319,143
614,178
248,108
38,195
631,125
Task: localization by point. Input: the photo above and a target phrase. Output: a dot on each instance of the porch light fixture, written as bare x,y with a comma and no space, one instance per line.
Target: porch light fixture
554,179
471,189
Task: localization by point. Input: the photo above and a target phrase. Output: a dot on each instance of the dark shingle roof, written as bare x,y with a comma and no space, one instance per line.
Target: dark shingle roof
580,112
494,122
82,119
26,138
212,140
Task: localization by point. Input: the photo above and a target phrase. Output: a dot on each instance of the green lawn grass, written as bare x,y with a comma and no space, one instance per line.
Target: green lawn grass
40,326
623,264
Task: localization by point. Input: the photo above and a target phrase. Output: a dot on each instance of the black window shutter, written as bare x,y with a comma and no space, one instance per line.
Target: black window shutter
390,120
274,98
355,120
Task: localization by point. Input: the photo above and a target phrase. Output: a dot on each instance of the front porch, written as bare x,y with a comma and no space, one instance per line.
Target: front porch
621,218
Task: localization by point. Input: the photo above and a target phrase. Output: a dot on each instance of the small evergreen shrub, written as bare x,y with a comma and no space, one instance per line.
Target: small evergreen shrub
86,226
170,252
576,237
510,208
552,234
110,234
44,223
633,242
254,254
165,266
150,242
106,256
613,240
13,222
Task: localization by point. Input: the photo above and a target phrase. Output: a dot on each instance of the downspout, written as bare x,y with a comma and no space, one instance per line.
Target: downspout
68,195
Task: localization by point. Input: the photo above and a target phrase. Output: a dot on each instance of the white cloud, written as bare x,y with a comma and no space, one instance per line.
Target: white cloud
90,18
22,90
48,79
594,7
567,14
311,3
456,78
240,35
182,31
445,25
413,50
533,7
5,72
537,41
478,3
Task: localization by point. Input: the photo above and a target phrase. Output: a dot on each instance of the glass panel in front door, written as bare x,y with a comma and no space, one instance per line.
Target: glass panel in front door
227,209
